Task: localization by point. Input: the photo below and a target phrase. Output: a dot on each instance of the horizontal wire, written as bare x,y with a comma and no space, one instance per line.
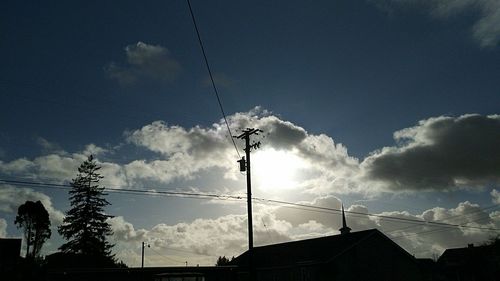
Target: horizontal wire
182,194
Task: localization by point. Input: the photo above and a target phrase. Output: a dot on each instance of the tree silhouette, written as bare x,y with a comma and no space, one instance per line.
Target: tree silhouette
33,218
85,225
222,260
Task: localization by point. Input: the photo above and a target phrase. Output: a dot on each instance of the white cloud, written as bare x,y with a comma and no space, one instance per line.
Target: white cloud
145,61
125,231
486,29
440,153
201,241
185,152
495,196
463,152
12,197
57,168
16,166
421,239
92,149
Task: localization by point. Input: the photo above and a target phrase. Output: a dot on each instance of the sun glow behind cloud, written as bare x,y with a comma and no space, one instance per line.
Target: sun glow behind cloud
276,171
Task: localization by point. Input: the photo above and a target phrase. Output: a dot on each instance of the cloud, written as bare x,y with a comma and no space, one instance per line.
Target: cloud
3,228
331,169
92,149
421,239
200,241
177,153
145,61
221,81
185,152
16,166
298,216
427,240
486,29
125,231
49,147
495,196
440,153
62,167
12,197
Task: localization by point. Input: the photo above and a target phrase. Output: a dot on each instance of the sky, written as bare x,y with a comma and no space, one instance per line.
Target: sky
387,106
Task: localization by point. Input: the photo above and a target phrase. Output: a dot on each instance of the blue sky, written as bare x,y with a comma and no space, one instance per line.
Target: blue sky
388,105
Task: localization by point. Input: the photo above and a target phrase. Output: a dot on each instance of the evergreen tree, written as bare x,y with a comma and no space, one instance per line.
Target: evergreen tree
85,225
222,260
33,218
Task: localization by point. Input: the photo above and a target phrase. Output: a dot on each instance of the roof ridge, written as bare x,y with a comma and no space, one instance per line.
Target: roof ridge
318,238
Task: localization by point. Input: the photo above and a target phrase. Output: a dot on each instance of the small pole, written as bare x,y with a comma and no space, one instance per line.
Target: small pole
142,260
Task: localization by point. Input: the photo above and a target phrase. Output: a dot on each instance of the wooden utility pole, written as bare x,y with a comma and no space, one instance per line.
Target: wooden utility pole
245,166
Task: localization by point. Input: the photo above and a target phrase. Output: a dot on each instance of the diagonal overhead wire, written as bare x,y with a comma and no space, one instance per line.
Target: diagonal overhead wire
212,78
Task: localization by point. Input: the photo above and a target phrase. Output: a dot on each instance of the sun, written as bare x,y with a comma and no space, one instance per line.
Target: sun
276,170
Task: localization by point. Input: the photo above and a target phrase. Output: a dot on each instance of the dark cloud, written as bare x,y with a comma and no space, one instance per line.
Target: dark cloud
282,134
297,216
221,81
441,153
145,61
486,28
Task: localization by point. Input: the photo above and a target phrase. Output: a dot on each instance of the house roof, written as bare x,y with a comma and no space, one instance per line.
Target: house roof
469,254
316,250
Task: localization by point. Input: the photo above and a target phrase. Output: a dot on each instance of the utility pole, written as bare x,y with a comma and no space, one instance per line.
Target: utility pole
142,260
245,166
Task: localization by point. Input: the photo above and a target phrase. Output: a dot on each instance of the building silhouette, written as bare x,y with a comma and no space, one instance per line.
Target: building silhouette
471,263
10,257
362,255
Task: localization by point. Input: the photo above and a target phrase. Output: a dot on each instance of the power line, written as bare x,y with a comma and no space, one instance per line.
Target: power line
375,215
129,190
301,206
454,217
211,77
188,252
440,229
168,258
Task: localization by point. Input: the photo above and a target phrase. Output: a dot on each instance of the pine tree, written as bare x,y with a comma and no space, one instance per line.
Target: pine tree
85,225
